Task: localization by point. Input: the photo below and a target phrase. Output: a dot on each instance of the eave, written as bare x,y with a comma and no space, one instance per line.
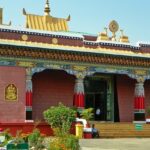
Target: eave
18,51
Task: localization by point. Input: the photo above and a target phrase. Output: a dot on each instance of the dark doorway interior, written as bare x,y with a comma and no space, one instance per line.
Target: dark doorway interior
96,97
116,107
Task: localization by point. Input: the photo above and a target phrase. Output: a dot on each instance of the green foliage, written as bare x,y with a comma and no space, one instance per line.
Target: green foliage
36,140
87,114
7,136
68,142
60,118
18,139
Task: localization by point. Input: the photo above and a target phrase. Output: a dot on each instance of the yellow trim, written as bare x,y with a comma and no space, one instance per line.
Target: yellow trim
77,48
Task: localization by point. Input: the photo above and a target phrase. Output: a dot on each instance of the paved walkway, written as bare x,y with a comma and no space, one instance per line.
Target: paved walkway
115,144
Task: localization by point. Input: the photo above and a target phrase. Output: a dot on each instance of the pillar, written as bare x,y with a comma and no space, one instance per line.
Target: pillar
28,94
139,102
79,95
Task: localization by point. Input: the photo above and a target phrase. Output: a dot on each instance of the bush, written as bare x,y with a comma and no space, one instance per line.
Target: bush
36,140
68,142
7,136
60,118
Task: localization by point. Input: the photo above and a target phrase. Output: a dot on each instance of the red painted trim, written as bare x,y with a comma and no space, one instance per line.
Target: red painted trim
29,98
28,128
79,100
139,102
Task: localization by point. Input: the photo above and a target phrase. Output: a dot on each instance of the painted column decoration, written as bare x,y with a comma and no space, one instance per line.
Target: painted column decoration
28,94
79,96
139,102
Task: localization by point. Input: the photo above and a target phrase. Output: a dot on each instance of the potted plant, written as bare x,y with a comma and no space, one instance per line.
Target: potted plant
148,114
88,115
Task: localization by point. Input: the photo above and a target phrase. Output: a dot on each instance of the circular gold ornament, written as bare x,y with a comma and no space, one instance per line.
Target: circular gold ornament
24,37
54,41
113,26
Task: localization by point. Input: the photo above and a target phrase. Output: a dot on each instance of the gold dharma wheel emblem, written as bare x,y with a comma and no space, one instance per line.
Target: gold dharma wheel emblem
113,26
24,37
54,41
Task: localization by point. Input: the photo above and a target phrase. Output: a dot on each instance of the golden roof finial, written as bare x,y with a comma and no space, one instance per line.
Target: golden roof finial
123,38
103,36
47,8
1,18
47,21
113,27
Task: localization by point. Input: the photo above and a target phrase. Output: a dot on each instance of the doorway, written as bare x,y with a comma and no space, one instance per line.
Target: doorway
96,97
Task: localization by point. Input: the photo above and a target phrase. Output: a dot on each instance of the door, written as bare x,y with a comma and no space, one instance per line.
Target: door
96,98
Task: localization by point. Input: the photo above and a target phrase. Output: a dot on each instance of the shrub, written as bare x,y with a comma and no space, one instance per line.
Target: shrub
60,118
18,139
68,142
7,136
36,140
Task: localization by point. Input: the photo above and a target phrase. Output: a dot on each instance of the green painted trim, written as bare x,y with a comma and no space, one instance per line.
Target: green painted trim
73,63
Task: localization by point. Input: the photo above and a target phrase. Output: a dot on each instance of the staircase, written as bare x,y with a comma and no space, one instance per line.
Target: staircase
122,130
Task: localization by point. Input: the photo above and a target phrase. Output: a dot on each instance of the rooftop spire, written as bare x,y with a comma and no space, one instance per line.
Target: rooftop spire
47,8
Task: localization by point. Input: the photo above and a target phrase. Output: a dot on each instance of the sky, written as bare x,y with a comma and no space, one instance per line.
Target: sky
89,16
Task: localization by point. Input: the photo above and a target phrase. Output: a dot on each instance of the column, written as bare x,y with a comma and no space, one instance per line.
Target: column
28,94
139,102
79,96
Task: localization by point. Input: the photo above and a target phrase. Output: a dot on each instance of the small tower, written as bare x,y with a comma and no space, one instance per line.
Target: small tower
47,8
46,22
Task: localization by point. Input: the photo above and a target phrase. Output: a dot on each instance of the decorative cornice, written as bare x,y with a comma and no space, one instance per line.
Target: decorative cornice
71,56
41,36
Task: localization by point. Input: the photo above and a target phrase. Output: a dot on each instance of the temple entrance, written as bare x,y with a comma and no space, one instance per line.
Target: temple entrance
98,95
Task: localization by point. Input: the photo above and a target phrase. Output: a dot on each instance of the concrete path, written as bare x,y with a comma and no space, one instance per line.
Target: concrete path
115,144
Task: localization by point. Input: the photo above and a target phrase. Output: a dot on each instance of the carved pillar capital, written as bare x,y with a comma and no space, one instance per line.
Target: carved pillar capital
139,89
28,79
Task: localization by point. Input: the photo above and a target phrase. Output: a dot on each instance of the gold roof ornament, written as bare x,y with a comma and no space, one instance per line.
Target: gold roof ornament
103,36
1,18
46,22
47,8
123,38
113,27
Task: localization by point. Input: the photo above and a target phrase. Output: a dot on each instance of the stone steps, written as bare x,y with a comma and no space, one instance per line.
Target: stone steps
122,130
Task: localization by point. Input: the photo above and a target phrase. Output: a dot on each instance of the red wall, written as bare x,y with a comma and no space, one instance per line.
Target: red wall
125,90
49,88
12,111
147,93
